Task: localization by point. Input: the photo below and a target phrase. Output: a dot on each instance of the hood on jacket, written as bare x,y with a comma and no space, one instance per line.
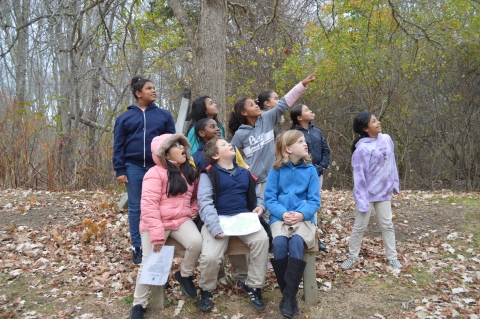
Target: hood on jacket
162,143
133,106
365,140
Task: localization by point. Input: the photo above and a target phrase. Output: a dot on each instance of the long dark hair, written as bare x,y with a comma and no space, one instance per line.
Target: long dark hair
199,111
200,126
360,123
236,118
262,98
176,184
295,112
137,84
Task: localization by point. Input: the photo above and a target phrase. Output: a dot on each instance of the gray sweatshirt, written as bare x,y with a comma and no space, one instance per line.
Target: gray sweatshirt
257,142
208,212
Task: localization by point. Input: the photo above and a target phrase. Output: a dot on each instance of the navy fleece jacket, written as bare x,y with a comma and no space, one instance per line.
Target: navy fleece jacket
133,133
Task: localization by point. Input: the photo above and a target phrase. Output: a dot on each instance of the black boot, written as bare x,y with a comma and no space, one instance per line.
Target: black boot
280,267
293,276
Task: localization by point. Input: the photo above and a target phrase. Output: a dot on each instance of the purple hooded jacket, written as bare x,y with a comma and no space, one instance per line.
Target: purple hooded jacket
375,175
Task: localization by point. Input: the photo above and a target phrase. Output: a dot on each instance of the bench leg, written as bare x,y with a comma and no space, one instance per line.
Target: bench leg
157,298
310,280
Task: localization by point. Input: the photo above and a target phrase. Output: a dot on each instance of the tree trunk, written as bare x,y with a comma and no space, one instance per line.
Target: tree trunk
22,12
209,47
210,55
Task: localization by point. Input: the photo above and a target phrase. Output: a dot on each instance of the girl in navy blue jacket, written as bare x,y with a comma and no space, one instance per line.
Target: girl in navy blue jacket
318,149
132,157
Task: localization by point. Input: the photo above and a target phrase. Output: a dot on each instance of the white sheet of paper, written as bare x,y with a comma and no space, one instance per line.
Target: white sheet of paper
156,268
240,224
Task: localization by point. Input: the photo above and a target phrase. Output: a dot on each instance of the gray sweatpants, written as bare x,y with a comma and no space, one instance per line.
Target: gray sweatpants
384,216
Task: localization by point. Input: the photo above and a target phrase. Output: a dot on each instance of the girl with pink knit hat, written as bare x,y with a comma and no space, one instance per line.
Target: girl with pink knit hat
168,206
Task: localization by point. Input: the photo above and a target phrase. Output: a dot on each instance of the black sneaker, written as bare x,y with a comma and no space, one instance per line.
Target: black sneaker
188,287
206,302
255,295
136,312
137,255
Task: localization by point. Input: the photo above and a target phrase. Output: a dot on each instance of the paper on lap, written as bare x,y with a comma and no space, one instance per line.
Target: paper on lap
240,224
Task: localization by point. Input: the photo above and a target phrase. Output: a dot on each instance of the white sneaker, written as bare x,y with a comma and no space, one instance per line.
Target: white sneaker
348,263
395,263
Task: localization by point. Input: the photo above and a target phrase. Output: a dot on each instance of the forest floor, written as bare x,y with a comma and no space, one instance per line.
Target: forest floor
67,255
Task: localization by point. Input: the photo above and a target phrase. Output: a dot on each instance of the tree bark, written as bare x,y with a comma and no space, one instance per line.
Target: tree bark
209,46
20,49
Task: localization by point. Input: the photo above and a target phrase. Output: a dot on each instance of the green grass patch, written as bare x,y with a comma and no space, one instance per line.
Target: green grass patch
128,300
421,276
471,211
18,289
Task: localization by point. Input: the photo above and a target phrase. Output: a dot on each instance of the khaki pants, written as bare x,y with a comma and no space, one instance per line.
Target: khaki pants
189,237
384,216
214,249
261,188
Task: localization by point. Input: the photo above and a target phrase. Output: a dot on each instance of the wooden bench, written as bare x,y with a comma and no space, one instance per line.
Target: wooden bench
237,247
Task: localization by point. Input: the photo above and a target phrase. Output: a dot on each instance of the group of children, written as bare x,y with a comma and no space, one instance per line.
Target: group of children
277,178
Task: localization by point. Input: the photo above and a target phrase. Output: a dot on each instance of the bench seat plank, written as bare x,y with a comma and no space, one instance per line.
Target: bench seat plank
237,247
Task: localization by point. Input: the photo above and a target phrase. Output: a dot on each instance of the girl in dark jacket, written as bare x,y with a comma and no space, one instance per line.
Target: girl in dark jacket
132,157
318,149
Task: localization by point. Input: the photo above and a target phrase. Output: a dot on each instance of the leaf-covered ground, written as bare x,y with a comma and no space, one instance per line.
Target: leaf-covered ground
66,255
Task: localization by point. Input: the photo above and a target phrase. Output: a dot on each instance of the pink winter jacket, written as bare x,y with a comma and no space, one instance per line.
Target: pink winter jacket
159,212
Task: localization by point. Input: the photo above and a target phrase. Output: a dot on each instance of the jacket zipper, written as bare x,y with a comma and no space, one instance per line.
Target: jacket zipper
144,132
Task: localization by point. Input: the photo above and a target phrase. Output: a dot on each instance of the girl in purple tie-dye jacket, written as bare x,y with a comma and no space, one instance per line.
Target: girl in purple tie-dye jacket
375,178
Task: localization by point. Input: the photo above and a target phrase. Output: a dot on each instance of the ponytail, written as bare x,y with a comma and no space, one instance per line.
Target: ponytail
355,141
236,118
136,84
262,98
360,123
295,112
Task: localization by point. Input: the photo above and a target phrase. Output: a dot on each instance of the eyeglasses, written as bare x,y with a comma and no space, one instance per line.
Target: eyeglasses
177,145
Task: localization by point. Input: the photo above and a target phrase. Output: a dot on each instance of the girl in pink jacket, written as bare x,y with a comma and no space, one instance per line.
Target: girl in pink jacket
168,206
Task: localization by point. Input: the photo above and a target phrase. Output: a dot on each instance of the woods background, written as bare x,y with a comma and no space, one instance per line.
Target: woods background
66,67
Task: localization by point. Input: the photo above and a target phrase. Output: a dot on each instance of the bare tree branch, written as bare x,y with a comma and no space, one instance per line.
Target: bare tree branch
184,21
396,16
88,122
319,19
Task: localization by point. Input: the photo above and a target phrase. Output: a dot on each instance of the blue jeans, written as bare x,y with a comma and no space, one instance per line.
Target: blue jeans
135,175
288,247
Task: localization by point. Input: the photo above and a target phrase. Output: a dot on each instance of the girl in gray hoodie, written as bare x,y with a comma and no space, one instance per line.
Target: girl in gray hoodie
253,131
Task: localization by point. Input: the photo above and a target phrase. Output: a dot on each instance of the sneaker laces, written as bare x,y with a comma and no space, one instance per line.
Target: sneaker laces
254,293
257,292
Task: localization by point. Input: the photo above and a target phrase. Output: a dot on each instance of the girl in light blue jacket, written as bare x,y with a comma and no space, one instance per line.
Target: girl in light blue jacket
292,197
